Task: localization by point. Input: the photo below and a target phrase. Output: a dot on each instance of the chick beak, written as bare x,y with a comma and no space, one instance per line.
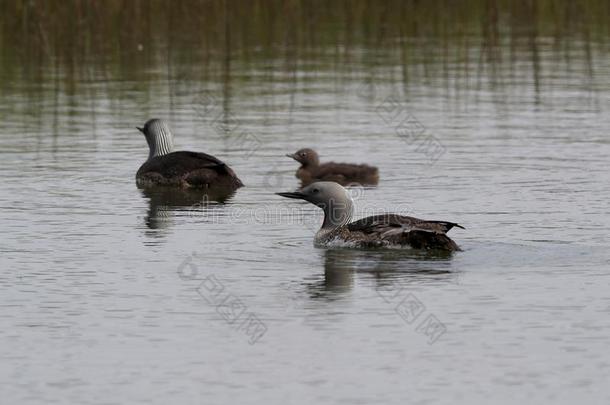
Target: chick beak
140,129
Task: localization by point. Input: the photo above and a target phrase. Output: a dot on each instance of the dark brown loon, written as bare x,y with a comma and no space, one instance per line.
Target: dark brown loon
165,167
343,173
384,230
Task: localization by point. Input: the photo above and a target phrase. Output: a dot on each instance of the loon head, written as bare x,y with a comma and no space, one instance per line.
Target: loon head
334,200
158,136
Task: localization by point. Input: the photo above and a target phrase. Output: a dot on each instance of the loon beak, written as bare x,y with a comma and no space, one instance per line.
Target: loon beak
295,194
292,155
140,129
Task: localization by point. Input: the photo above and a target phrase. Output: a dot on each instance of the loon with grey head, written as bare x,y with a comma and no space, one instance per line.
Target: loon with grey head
165,167
343,173
384,230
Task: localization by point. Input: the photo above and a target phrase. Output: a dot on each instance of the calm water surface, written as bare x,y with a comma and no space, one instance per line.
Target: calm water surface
102,294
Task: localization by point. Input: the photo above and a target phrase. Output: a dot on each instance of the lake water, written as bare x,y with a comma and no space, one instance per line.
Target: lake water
115,295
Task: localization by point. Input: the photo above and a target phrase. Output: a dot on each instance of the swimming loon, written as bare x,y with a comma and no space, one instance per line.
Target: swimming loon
343,173
165,167
384,230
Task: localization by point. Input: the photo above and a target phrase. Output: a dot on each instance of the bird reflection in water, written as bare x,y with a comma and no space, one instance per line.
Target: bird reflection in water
164,203
379,268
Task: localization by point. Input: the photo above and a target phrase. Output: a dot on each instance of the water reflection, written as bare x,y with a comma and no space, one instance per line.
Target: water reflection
338,276
163,202
379,268
400,268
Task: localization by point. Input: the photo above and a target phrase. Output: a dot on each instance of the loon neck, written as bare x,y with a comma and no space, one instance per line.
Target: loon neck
337,213
160,144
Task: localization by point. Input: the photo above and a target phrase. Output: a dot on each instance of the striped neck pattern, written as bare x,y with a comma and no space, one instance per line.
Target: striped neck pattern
159,137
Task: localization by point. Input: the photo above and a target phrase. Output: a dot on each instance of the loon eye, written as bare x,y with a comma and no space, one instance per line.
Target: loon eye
315,190
303,154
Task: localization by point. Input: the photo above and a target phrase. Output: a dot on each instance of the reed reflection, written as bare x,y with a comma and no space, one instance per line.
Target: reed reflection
77,41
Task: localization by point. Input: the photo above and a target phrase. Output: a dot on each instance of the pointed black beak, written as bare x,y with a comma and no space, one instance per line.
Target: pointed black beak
140,129
295,194
292,155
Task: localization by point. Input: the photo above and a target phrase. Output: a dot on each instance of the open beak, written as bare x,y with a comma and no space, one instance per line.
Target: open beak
140,129
295,194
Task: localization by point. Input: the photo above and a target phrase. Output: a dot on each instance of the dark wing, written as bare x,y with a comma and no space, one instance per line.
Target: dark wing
346,170
399,229
191,169
446,226
380,223
394,223
178,164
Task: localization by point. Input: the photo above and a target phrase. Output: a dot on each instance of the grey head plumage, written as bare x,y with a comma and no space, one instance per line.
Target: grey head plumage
158,136
334,200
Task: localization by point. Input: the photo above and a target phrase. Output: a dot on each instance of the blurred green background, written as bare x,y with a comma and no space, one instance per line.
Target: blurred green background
121,39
